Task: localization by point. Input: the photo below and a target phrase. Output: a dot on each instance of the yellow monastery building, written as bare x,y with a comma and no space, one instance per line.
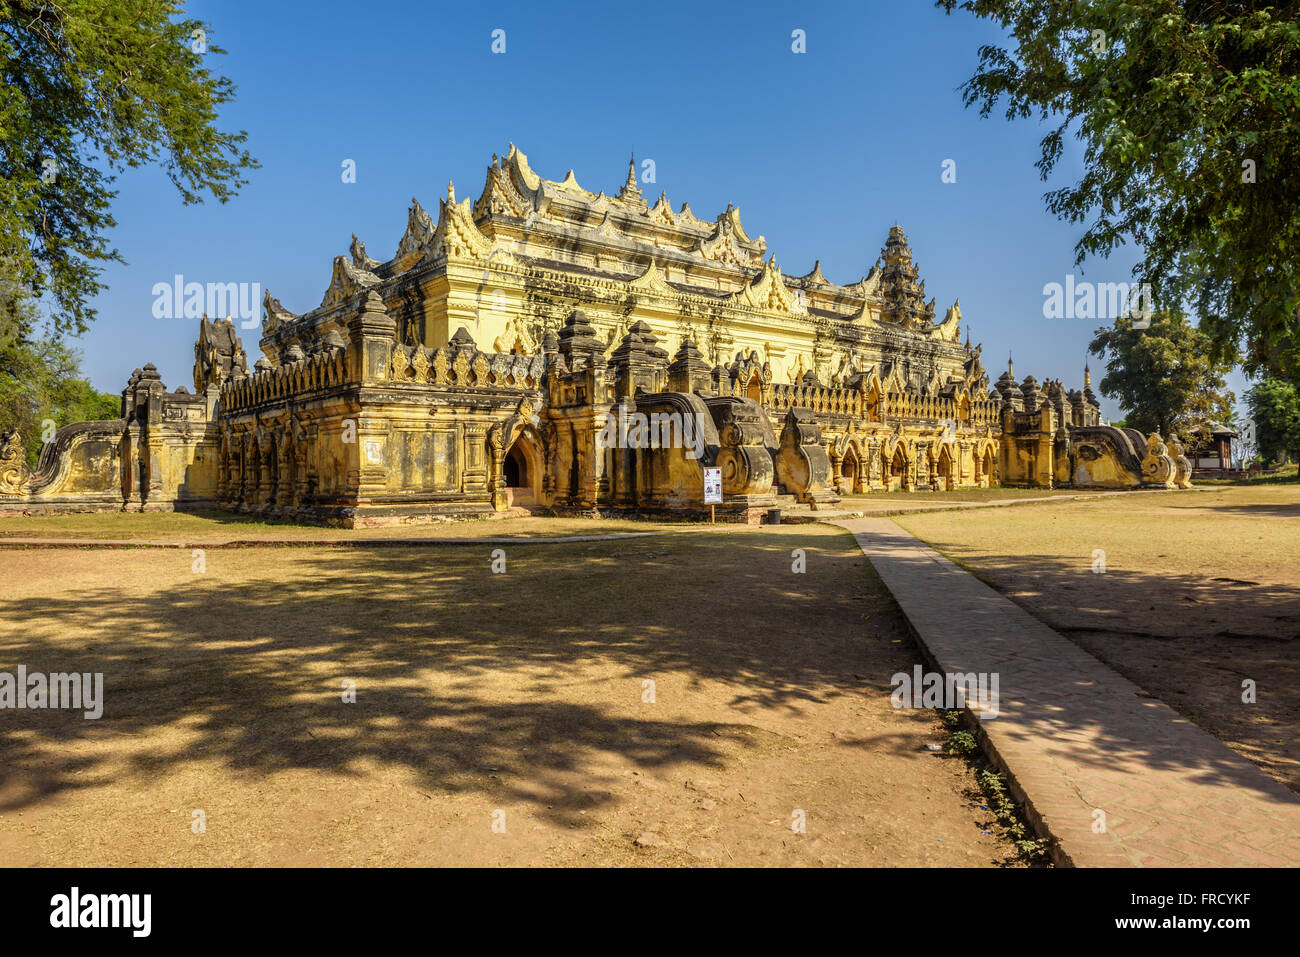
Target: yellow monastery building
498,357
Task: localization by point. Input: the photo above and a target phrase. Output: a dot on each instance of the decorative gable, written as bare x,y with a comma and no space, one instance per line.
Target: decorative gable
346,281
415,241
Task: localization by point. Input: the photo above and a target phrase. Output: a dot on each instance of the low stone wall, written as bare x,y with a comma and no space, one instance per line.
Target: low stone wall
160,456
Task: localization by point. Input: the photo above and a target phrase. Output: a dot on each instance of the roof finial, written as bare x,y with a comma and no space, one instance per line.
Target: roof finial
630,191
1010,369
451,192
1087,375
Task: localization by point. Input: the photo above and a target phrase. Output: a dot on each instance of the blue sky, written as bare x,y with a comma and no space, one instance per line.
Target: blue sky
821,152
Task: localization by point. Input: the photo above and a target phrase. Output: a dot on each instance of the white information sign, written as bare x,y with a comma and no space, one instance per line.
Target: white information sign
712,486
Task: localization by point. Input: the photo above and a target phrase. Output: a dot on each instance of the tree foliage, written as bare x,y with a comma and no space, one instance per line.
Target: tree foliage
42,389
41,386
88,89
1275,409
1187,115
1164,377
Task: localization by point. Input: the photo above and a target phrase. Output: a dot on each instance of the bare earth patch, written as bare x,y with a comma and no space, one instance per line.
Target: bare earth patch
1200,592
524,693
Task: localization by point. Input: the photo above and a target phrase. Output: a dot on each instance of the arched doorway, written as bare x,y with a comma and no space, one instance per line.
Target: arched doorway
521,471
897,469
849,469
943,470
988,467
754,390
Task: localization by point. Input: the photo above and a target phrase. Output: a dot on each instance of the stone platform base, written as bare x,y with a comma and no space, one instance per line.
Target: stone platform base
106,502
378,515
732,515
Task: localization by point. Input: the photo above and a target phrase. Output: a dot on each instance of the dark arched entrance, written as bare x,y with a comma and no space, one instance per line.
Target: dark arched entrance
849,471
521,471
944,470
516,468
897,468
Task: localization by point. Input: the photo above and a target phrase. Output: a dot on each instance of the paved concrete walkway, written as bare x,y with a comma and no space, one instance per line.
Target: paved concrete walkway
1074,737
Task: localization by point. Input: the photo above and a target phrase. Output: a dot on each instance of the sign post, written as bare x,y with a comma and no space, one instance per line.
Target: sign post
712,491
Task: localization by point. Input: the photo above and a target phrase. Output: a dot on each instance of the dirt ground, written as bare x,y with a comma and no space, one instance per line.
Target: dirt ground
1200,592
520,700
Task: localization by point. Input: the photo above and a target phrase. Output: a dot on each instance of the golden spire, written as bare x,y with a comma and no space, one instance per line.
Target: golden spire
631,192
1087,375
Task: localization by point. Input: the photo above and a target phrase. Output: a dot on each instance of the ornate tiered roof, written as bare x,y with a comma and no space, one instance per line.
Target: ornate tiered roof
523,220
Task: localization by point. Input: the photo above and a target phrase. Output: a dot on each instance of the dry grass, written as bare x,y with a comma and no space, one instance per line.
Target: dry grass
476,693
958,495
217,526
1200,592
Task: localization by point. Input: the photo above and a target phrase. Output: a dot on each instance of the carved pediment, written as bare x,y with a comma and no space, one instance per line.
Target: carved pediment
456,236
515,336
864,315
768,291
346,281
516,164
729,220
275,314
500,196
866,288
652,280
417,238
816,275
662,212
607,227
722,247
570,184
950,328
218,353
869,285
894,379
359,258
687,218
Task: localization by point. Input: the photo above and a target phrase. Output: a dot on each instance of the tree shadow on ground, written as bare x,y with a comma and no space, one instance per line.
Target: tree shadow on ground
1251,510
462,676
1189,640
